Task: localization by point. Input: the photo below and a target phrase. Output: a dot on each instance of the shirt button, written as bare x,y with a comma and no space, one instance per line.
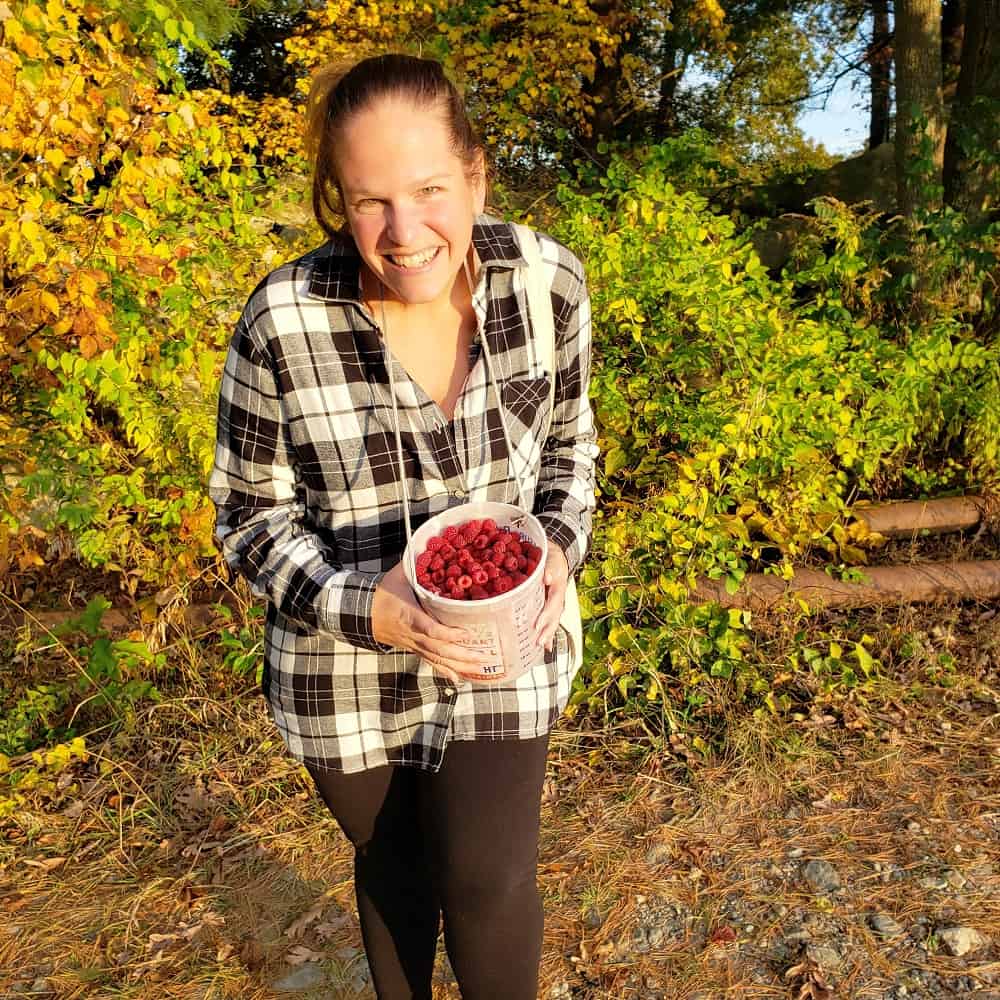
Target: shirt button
458,494
449,691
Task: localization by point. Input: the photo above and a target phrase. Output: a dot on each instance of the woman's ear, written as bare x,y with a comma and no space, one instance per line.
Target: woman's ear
479,183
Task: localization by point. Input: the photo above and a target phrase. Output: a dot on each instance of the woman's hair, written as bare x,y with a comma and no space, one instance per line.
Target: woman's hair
341,89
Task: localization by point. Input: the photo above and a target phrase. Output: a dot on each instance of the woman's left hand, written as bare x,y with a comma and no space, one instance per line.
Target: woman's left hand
556,578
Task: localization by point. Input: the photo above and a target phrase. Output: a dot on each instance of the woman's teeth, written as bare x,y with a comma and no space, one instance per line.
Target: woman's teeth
416,259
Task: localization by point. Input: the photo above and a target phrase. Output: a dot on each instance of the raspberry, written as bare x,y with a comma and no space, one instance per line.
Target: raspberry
517,579
491,570
530,568
447,551
499,551
488,526
510,562
522,562
423,561
437,576
472,528
477,593
481,541
434,543
436,563
480,576
450,532
453,571
465,581
514,547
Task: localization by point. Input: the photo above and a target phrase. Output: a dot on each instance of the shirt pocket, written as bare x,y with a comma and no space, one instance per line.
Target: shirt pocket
525,404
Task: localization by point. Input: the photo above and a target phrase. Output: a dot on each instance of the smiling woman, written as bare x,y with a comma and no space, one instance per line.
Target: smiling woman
395,368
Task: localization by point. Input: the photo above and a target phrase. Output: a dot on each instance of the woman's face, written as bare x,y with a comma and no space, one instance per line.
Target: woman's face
408,198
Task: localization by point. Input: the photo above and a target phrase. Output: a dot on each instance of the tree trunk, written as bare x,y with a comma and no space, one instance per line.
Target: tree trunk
970,184
952,32
603,90
918,94
666,109
879,60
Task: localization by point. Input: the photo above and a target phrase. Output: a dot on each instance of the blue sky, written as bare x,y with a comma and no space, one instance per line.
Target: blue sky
843,126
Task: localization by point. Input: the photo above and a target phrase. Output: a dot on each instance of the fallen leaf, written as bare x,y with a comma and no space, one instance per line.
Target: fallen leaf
300,953
47,864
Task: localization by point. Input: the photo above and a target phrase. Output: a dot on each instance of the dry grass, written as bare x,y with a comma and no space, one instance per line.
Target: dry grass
190,857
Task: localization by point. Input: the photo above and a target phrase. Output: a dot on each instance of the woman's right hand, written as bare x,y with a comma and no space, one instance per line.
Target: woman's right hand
398,620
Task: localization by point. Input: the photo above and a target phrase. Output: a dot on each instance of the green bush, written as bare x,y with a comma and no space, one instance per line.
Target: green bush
740,417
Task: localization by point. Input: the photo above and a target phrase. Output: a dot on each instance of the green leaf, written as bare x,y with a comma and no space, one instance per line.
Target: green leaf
614,461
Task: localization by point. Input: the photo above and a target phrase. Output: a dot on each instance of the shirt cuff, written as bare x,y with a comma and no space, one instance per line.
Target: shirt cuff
347,609
560,532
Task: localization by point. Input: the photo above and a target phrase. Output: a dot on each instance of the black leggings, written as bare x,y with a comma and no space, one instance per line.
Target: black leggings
462,842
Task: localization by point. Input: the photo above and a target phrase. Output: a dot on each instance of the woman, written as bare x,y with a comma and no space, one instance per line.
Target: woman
434,777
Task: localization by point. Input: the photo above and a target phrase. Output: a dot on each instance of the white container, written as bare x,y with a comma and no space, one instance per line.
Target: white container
504,624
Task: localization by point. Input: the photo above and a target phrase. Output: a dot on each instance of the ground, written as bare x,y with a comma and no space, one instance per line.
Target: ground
854,853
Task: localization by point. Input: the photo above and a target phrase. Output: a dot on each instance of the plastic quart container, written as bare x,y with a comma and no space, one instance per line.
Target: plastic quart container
502,624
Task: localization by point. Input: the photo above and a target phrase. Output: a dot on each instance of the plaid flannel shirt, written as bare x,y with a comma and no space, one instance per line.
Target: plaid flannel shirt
307,494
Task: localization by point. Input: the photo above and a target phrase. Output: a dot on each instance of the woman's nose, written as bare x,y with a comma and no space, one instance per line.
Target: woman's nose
402,225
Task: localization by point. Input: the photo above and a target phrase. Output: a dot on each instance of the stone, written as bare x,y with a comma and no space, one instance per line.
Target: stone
885,926
821,875
306,977
825,956
955,878
659,854
960,941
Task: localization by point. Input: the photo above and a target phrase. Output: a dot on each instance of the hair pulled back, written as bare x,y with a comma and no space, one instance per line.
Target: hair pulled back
342,89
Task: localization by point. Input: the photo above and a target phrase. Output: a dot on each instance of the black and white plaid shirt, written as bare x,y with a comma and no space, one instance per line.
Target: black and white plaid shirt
307,494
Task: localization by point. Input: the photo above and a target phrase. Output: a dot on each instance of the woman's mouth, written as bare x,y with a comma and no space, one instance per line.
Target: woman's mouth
413,261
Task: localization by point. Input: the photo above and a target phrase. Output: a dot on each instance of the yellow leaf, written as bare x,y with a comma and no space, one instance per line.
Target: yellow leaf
50,302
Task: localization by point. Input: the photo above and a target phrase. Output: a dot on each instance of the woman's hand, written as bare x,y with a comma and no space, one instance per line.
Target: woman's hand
398,620
556,579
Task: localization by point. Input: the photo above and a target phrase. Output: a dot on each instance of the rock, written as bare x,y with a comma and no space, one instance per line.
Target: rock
825,956
305,977
885,926
955,878
657,921
933,882
560,991
961,940
821,875
659,854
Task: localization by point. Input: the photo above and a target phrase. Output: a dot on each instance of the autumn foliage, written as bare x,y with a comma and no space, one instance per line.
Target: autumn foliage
124,248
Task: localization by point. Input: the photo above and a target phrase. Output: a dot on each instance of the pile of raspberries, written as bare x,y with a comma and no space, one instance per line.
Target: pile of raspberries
476,560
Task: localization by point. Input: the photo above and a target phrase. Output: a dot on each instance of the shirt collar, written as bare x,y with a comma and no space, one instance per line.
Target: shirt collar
334,268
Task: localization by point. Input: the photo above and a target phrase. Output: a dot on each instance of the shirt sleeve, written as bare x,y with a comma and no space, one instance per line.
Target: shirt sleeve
564,497
261,520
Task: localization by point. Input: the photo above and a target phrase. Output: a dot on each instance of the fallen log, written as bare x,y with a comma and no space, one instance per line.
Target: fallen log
917,517
919,583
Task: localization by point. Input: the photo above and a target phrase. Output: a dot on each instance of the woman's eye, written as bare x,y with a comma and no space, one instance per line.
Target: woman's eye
431,189
366,204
